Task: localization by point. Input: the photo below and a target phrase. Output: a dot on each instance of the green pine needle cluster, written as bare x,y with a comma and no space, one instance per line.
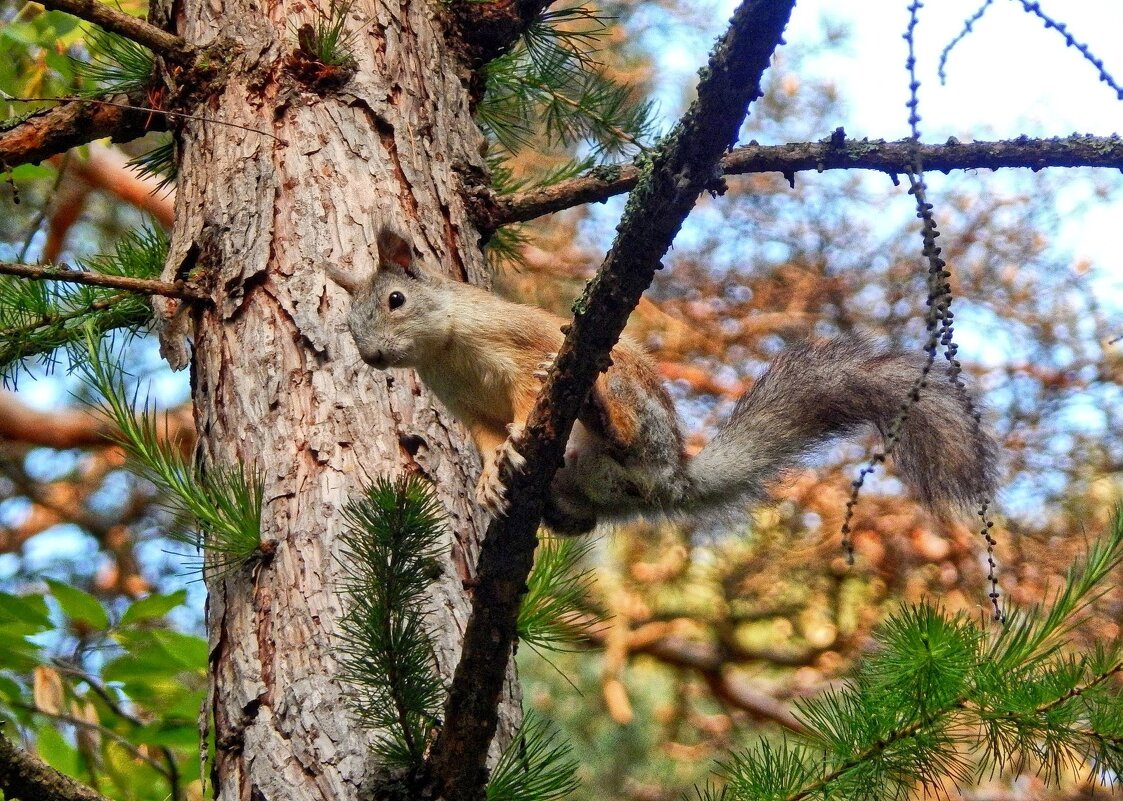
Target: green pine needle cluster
550,83
38,318
536,766
944,700
225,502
327,38
390,555
556,612
116,66
159,163
550,86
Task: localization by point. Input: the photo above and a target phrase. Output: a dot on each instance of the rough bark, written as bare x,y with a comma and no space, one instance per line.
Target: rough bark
277,382
27,778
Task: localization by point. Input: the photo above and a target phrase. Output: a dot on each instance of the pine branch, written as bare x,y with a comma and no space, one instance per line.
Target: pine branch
76,122
140,286
224,500
941,699
25,777
156,39
535,766
892,158
676,172
553,613
390,558
39,317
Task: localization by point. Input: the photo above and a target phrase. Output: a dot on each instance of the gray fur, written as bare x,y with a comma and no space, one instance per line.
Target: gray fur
831,388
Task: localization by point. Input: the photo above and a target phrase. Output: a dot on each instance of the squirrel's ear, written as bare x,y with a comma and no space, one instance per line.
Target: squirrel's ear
395,254
354,284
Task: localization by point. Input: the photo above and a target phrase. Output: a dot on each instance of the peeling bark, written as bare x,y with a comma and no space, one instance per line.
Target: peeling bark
277,382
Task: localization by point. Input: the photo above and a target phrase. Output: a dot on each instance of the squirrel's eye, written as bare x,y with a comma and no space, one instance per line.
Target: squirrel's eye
396,299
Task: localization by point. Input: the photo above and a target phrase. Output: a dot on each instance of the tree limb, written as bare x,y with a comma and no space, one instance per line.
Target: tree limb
155,39
141,286
57,129
676,172
29,779
601,183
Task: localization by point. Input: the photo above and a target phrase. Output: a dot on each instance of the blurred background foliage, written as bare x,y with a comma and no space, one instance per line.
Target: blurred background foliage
712,627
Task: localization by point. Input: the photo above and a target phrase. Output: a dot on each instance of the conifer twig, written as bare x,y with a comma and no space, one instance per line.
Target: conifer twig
156,39
140,286
677,171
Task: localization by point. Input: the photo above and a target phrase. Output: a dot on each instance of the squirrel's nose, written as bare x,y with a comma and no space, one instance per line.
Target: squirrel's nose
375,358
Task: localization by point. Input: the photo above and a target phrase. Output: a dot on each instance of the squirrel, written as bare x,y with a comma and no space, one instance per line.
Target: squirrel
485,358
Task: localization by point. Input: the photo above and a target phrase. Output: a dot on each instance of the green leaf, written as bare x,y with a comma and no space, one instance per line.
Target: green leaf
78,605
55,750
153,607
19,654
176,734
161,651
30,172
10,690
189,651
29,609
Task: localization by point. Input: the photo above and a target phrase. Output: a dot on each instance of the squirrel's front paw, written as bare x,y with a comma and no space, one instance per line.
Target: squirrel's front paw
491,492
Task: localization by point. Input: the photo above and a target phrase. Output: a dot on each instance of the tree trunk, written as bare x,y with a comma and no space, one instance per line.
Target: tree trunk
277,381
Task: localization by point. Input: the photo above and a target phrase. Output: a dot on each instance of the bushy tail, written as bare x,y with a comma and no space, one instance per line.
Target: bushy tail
830,388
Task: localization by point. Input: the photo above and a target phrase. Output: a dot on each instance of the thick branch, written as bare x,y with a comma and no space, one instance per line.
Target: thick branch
105,16
684,164
141,286
27,778
601,183
55,130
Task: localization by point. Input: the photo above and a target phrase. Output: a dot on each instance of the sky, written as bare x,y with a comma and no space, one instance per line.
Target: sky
1009,76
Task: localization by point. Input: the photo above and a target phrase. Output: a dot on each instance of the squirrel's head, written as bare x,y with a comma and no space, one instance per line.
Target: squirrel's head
395,314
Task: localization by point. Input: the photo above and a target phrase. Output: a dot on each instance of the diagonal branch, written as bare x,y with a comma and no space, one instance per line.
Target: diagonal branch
675,173
55,130
29,779
141,286
893,158
155,39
